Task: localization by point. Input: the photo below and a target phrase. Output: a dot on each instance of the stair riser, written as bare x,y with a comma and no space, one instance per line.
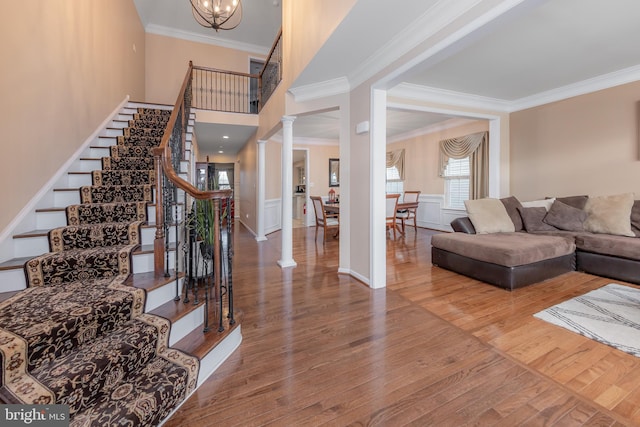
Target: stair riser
119,124
99,152
143,263
181,327
12,280
105,142
113,132
62,199
48,220
90,165
31,246
161,295
79,180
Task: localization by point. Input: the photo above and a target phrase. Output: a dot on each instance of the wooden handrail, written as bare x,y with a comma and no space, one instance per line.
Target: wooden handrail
273,48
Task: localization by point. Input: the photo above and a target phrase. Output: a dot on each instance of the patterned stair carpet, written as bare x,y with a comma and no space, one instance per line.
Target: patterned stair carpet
78,335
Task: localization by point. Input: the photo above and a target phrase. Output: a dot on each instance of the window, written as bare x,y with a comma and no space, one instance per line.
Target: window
456,176
223,181
394,183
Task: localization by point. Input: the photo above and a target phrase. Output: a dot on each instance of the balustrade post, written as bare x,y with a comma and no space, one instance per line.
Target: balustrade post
158,243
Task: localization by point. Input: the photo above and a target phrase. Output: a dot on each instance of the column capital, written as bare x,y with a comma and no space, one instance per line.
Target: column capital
288,119
261,141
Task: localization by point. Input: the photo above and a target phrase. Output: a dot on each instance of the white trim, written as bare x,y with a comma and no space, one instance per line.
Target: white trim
27,214
211,40
355,275
443,96
377,167
323,89
604,81
436,127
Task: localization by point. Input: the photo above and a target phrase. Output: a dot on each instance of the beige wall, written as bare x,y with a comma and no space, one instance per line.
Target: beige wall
246,185
318,173
422,154
167,59
66,64
582,145
273,170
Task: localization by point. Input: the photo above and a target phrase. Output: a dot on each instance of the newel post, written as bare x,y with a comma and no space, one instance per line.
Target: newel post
158,243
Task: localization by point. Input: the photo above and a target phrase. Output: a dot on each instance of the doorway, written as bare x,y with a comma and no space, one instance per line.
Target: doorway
300,173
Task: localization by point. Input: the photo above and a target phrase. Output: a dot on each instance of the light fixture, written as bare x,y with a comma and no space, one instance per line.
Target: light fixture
217,14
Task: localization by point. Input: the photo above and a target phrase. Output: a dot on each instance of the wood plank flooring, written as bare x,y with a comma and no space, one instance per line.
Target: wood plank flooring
432,349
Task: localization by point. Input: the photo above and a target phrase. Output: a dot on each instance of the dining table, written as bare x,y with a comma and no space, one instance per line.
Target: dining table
334,208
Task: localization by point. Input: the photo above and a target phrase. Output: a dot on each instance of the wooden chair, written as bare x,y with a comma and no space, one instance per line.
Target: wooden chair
409,213
391,208
328,222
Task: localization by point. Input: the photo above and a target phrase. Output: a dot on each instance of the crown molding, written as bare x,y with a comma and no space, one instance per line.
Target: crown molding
323,89
301,140
449,97
437,127
212,40
605,81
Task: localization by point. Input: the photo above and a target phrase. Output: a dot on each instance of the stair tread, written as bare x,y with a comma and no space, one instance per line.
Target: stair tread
199,343
176,310
79,173
14,263
51,210
151,279
6,295
32,233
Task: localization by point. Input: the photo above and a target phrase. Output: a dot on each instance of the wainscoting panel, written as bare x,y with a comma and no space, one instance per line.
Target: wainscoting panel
432,213
272,215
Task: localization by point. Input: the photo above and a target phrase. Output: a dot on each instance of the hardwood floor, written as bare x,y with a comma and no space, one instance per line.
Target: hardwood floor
433,348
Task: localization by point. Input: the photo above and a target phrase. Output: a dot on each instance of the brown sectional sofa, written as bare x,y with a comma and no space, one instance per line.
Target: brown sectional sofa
528,255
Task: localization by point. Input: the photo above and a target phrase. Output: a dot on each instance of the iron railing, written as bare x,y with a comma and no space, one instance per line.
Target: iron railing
235,92
204,246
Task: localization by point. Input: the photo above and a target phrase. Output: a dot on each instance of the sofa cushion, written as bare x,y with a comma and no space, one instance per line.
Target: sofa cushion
512,204
618,246
507,249
489,216
635,218
610,214
545,203
565,217
532,218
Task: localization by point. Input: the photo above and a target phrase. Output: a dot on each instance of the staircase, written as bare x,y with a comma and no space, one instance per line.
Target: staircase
86,321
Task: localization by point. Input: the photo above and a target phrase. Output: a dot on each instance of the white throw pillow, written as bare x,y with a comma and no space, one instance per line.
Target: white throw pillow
489,216
609,214
545,203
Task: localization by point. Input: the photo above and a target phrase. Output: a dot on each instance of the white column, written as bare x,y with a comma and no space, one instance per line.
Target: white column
378,249
262,176
287,193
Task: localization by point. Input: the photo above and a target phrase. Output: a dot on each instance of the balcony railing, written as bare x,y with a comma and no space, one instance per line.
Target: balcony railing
234,92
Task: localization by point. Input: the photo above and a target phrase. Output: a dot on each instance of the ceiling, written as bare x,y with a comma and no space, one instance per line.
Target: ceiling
506,54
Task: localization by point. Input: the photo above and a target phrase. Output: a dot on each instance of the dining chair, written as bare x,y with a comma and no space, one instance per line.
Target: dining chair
391,208
327,222
409,213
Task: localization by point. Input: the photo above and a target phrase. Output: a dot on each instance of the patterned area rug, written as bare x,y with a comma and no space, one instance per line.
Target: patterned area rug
610,315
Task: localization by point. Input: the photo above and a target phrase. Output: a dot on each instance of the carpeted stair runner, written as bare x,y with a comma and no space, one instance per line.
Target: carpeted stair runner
77,335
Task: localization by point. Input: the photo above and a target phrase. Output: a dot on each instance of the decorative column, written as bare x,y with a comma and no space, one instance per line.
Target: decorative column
287,193
262,176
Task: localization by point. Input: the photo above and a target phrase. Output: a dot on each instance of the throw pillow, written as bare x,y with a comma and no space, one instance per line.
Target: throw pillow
565,217
575,201
545,203
610,214
512,204
532,218
489,216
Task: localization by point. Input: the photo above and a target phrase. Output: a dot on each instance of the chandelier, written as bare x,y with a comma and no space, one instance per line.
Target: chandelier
217,14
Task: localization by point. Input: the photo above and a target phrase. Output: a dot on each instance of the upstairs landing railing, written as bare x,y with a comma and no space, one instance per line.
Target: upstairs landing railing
235,92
